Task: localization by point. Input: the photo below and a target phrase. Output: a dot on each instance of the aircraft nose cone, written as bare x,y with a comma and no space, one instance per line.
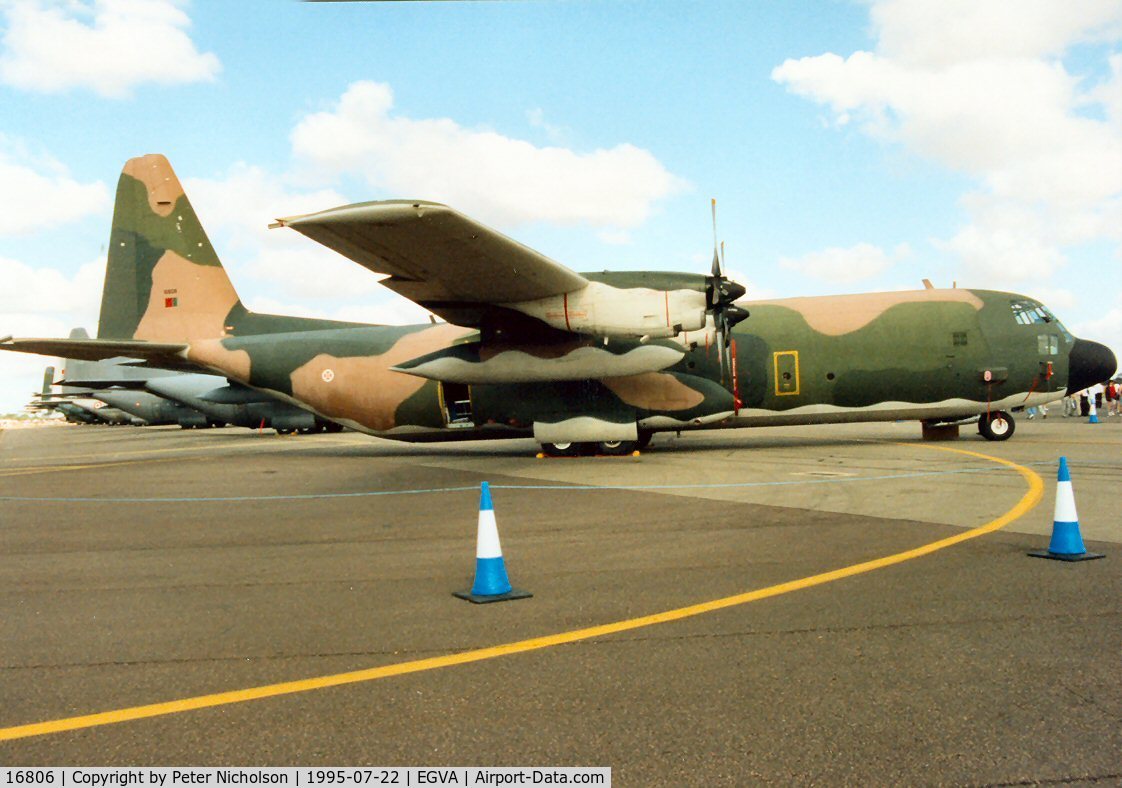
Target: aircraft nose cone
1089,363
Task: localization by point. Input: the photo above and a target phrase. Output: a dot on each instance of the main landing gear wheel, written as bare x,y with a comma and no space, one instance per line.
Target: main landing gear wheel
996,426
562,449
617,448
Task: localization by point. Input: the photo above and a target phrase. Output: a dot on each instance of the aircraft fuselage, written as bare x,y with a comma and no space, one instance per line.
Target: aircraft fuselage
927,354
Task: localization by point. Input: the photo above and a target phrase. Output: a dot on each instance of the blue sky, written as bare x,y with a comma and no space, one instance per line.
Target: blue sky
851,146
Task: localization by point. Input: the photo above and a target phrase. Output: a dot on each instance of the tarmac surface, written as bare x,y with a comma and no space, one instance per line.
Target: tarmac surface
145,565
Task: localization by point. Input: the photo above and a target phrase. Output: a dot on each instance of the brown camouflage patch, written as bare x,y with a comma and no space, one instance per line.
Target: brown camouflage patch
187,301
837,315
210,353
156,173
654,391
362,388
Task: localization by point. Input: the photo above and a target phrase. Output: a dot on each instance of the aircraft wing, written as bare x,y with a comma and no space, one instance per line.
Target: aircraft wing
167,355
437,257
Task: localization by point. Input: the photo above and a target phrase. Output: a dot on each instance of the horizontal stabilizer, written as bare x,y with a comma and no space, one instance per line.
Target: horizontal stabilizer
98,349
101,383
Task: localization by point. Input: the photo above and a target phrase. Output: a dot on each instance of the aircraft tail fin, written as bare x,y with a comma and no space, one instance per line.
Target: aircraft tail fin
48,380
75,369
163,280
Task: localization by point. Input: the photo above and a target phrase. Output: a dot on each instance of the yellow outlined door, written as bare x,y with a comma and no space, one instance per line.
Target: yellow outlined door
786,364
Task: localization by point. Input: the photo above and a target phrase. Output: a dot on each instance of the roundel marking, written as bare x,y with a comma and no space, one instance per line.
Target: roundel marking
328,375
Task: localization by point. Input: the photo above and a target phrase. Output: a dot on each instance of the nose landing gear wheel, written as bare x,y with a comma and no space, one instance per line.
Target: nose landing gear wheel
997,426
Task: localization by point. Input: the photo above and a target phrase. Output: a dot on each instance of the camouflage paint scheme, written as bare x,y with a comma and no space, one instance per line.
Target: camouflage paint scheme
919,354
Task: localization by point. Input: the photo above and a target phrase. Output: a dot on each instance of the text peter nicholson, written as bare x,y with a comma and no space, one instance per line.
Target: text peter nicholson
343,777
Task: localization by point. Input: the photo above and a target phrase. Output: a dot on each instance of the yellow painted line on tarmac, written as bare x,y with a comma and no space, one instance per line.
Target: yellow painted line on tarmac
1030,499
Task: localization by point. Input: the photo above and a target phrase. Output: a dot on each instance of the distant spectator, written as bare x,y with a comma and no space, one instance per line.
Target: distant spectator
1071,405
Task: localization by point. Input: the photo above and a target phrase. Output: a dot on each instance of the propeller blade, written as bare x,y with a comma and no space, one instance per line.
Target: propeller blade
716,260
720,295
721,350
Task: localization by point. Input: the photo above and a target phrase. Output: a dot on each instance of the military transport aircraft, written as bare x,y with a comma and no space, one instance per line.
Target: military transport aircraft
595,361
79,405
232,403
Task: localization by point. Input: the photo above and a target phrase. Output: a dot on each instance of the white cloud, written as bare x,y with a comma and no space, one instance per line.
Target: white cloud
950,31
41,302
1105,328
1057,298
491,176
980,88
555,134
107,46
1005,243
390,309
38,192
48,292
236,210
854,264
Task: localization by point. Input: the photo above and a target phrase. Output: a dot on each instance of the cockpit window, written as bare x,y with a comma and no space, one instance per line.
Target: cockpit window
1029,313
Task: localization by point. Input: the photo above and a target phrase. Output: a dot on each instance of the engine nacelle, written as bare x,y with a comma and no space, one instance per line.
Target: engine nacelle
602,310
294,420
706,336
189,420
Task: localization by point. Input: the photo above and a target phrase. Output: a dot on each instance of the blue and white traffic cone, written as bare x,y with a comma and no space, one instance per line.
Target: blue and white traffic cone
1067,543
1092,411
491,583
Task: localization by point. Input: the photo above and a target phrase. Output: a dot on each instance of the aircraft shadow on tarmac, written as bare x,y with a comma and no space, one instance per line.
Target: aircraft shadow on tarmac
526,447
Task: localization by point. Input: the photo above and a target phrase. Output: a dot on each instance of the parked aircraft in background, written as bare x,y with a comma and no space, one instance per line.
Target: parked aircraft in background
595,361
158,397
241,406
117,383
78,405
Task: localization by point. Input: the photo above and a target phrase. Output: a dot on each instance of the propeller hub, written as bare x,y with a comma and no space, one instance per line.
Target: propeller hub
731,290
724,291
734,314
